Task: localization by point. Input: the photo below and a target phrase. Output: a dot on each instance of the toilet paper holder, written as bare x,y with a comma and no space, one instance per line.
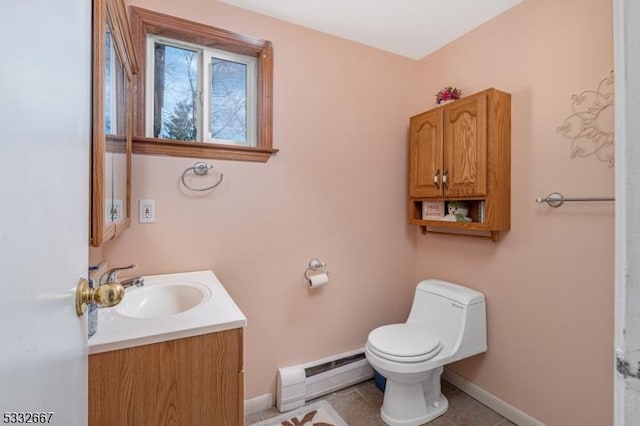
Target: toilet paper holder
314,265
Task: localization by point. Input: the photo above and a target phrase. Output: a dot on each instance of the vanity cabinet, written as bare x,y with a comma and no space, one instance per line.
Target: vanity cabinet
191,381
114,64
461,152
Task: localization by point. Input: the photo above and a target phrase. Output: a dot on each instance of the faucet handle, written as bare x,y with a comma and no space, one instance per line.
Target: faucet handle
112,274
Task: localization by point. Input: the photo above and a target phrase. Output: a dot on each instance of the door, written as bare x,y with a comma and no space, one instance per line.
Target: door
465,147
627,267
425,155
44,156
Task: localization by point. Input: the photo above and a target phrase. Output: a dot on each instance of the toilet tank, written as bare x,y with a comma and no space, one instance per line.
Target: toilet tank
454,313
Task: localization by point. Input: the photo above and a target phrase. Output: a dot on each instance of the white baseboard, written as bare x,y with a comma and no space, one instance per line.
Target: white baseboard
496,404
258,403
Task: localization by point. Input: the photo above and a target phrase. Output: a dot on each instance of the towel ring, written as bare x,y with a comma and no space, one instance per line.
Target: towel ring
200,169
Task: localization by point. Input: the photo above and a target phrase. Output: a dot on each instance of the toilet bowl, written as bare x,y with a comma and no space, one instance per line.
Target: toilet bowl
447,322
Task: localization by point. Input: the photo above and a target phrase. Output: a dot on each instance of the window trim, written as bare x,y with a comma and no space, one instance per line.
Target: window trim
145,22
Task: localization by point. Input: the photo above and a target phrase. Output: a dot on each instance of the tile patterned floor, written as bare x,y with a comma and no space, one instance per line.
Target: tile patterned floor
360,405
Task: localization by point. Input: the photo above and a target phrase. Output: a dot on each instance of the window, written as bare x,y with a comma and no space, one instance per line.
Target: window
205,92
196,93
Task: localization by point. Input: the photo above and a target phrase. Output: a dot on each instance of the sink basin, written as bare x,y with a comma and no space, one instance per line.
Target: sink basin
163,299
167,307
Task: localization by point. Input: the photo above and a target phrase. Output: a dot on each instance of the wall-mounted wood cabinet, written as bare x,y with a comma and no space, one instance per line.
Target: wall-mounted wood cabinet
462,152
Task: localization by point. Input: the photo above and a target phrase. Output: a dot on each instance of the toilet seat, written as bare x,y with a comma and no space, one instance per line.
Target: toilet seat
403,343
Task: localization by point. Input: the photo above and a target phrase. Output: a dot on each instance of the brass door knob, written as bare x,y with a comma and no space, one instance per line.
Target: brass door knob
109,294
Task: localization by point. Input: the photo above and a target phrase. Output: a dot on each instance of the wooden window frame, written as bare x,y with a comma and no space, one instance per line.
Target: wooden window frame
145,22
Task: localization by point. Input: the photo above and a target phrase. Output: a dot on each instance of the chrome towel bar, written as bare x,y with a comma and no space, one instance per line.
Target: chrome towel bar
556,199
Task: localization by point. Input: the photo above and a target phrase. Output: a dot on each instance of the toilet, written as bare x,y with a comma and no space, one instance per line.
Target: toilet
447,323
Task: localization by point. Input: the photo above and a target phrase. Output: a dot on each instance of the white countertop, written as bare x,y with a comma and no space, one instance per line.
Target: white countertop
217,313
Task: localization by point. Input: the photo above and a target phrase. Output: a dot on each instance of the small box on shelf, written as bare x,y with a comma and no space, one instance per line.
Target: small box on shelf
433,210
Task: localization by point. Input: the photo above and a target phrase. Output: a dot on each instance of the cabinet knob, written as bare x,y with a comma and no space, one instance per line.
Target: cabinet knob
445,175
436,176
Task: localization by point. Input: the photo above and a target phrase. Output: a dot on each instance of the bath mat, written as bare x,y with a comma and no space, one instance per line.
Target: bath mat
319,413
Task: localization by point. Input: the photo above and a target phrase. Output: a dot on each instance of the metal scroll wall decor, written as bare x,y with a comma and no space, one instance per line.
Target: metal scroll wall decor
590,127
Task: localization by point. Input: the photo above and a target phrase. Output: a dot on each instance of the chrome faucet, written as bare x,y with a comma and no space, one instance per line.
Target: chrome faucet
135,281
111,276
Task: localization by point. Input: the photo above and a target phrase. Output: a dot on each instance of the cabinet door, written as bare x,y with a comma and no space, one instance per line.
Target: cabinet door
465,147
195,381
425,155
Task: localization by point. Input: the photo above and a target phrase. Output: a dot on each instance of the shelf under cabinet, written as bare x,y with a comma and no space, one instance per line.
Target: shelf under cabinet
486,229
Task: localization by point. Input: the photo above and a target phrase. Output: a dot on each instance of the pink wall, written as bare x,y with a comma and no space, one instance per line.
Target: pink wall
549,282
336,191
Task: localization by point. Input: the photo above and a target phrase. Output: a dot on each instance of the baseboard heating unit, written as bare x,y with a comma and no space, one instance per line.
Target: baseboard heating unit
304,382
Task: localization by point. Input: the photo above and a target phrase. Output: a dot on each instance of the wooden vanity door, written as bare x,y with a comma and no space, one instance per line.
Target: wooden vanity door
194,381
465,147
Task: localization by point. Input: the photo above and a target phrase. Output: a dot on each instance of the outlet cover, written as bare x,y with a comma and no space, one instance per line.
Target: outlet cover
114,210
146,211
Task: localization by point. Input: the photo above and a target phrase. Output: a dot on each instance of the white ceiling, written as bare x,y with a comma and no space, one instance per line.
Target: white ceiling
412,28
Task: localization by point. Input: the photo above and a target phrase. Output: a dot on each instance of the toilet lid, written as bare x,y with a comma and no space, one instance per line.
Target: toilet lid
404,342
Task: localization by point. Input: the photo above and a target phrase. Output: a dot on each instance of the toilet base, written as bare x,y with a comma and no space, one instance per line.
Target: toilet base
413,404
416,421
